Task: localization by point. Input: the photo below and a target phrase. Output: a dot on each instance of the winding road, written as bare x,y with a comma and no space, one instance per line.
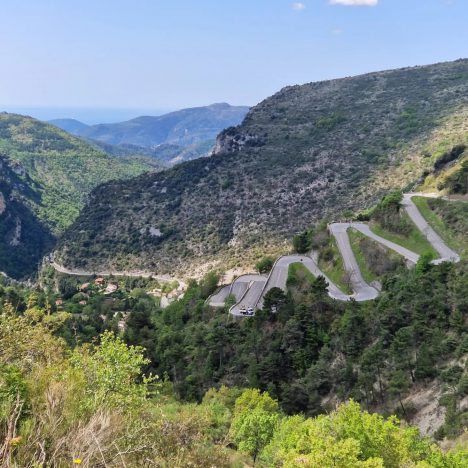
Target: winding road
250,290
130,274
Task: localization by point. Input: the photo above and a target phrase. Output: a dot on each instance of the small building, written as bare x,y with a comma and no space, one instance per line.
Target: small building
111,287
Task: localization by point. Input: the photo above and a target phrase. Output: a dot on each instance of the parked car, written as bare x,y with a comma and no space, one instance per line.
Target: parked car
250,311
243,310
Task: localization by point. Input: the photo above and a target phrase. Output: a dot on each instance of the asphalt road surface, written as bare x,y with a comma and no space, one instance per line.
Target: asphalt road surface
250,290
445,252
258,286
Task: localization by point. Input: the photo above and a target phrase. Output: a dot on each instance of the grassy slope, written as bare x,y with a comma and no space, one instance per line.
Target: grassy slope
298,271
421,154
334,268
354,238
415,241
432,211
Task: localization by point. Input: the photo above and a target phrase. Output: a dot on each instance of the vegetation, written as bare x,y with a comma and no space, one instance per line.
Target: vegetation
313,348
390,221
448,218
265,264
23,238
59,170
302,242
450,170
449,156
457,182
331,263
298,273
289,164
98,405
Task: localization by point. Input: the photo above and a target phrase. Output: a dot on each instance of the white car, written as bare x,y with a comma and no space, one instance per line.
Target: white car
243,310
250,311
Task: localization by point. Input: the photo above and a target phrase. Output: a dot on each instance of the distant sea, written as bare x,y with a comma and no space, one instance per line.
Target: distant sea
86,115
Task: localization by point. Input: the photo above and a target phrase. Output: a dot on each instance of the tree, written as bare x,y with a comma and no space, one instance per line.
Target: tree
274,297
111,371
402,350
255,418
253,430
319,286
347,437
424,263
398,385
302,242
372,362
208,284
425,363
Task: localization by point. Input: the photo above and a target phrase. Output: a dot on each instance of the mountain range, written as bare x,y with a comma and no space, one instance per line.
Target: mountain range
306,153
174,137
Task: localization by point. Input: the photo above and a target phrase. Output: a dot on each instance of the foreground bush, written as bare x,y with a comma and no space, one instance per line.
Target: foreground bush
92,406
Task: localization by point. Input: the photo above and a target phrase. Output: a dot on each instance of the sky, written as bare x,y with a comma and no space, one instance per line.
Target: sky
111,59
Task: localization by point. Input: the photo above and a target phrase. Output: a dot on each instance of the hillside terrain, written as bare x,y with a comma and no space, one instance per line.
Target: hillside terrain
72,126
166,154
63,168
23,238
175,137
308,152
46,175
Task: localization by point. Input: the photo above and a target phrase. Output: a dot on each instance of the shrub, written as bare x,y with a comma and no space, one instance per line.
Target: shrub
265,264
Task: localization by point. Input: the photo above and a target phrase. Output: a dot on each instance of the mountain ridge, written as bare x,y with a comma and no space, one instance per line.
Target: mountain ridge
171,138
308,152
185,126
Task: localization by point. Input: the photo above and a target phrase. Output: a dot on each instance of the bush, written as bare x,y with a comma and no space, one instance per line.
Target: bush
265,264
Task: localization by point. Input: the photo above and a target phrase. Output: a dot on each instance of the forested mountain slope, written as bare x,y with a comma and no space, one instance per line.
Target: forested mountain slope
45,178
306,153
95,404
59,168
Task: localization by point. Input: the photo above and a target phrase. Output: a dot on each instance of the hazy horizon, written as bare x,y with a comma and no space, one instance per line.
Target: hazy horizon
87,115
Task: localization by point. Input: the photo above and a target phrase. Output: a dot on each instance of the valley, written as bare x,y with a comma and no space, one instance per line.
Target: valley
234,234
278,286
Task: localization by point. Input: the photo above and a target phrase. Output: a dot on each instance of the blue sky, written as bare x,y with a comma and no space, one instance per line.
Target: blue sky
152,54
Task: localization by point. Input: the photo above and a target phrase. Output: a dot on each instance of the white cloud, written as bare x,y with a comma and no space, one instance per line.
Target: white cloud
355,2
298,6
336,31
